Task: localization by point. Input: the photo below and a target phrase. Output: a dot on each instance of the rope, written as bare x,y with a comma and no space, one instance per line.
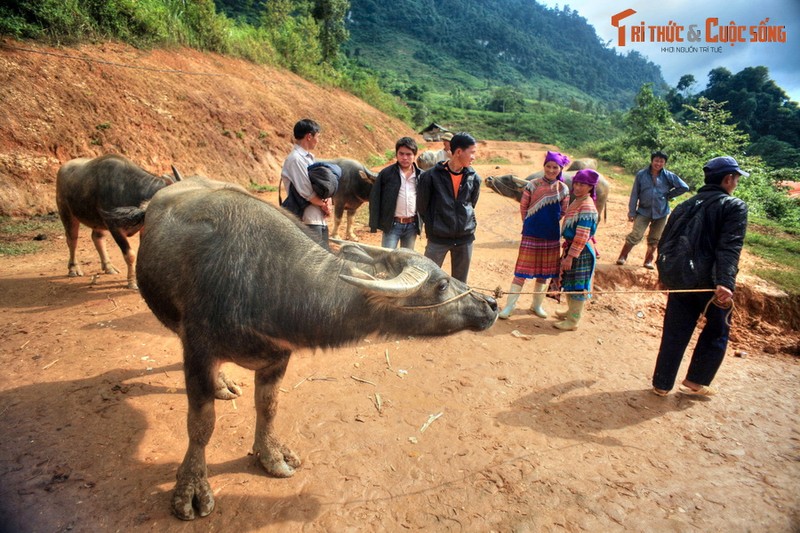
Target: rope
498,292
729,306
453,299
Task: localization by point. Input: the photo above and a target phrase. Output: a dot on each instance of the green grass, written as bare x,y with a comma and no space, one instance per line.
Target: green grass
493,161
17,235
262,188
780,247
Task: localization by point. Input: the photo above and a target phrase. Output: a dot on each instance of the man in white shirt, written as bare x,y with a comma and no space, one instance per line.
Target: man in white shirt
445,153
393,200
295,173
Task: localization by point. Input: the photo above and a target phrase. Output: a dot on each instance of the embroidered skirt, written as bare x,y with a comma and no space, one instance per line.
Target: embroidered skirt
579,277
538,258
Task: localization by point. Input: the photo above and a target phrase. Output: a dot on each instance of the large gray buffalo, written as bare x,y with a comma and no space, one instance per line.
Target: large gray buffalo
355,186
94,192
239,281
511,187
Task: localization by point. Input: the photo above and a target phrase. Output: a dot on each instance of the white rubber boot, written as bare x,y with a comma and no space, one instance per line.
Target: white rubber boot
573,315
513,296
539,292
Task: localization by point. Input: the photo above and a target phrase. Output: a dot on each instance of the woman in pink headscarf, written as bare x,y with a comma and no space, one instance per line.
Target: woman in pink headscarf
544,202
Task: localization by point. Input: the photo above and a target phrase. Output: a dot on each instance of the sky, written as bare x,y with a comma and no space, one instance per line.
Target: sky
699,56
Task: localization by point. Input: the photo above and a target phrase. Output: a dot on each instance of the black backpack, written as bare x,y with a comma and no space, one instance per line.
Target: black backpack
681,260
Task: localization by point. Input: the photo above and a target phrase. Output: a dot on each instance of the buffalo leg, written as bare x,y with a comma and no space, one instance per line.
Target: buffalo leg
192,490
128,254
71,228
349,232
338,211
99,240
277,459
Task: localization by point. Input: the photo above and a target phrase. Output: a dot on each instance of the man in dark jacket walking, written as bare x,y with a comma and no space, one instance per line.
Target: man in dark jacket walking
714,252
446,198
393,200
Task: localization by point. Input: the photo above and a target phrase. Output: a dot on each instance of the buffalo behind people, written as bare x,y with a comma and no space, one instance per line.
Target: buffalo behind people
511,187
94,192
355,186
239,281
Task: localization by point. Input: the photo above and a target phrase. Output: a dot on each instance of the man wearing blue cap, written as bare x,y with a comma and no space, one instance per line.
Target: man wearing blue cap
700,249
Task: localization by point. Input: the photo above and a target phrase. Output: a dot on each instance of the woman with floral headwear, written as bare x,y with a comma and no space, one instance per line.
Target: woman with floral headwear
579,259
544,201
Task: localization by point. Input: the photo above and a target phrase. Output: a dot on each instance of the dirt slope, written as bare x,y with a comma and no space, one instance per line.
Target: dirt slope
205,113
540,430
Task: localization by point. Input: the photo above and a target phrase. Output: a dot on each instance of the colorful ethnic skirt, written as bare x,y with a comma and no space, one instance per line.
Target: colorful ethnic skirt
538,258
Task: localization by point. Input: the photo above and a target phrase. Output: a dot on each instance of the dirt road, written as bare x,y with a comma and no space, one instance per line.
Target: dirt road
538,430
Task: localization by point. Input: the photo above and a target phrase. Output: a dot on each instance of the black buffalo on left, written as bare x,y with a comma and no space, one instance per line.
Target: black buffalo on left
100,193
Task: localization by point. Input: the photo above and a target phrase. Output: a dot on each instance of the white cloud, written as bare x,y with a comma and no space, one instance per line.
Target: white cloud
782,59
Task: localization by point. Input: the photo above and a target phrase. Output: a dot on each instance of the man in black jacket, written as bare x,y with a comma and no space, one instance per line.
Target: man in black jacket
446,199
715,256
393,200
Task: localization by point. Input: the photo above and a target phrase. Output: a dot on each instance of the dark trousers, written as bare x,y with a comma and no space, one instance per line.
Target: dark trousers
680,320
460,257
320,234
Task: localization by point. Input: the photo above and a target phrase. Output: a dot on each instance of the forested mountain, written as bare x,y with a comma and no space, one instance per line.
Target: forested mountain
502,42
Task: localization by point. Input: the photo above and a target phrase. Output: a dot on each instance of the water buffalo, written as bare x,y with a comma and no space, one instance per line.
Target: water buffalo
355,186
427,159
239,281
88,191
511,187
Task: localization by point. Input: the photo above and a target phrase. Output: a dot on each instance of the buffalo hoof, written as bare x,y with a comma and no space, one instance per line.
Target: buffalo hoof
109,269
226,389
133,286
278,460
353,237
192,497
74,273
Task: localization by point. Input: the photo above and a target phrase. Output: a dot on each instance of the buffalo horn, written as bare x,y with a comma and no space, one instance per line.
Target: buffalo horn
404,284
176,173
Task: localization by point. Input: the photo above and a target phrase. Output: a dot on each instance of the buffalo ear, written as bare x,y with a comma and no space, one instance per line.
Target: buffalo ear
368,177
361,253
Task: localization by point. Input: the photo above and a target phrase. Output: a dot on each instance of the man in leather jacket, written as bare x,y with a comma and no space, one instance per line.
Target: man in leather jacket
393,200
446,199
717,257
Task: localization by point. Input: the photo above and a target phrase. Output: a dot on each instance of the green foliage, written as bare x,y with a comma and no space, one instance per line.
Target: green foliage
332,32
17,235
781,248
502,43
539,122
257,187
761,109
646,120
707,133
506,100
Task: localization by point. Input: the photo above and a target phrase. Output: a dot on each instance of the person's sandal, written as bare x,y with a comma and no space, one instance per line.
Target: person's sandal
660,392
704,390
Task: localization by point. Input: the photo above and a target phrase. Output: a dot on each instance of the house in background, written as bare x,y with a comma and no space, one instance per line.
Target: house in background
433,132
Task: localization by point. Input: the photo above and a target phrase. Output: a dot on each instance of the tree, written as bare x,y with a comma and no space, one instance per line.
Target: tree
686,81
506,100
646,119
330,15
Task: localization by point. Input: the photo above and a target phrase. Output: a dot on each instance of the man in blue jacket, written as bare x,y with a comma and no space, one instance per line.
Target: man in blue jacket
447,195
653,188
712,252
